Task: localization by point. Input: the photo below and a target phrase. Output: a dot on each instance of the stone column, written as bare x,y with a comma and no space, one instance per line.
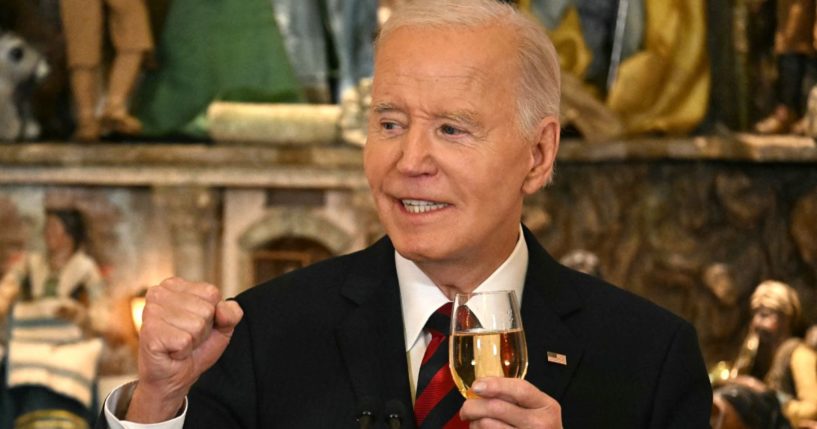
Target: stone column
190,213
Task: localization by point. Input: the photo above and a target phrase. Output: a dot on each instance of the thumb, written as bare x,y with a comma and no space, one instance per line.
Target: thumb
227,316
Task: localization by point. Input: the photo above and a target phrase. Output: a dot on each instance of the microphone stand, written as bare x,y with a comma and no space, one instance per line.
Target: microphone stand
395,410
366,416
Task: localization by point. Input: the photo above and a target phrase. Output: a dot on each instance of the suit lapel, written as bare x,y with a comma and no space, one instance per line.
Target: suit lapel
546,303
371,337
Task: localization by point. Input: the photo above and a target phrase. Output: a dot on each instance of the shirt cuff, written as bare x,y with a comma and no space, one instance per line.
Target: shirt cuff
120,398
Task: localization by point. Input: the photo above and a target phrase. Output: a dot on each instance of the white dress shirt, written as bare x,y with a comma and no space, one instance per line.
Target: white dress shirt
420,298
123,393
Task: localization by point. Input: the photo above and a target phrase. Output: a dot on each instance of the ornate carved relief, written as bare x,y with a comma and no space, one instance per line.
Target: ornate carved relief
695,238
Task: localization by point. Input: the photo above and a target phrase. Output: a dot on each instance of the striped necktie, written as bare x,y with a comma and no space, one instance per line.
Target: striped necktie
438,402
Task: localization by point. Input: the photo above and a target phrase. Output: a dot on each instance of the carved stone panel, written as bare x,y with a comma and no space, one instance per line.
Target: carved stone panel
694,237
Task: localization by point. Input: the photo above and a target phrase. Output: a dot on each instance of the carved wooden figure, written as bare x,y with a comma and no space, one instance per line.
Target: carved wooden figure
794,46
129,29
21,67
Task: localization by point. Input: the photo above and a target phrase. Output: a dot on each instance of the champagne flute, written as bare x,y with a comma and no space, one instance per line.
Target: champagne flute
487,339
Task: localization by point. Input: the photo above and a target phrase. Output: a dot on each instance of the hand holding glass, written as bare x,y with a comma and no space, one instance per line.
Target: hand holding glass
487,339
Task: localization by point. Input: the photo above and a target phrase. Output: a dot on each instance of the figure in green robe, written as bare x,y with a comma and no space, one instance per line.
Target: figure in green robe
214,50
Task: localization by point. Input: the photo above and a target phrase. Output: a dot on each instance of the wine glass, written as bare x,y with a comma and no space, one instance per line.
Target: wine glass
487,339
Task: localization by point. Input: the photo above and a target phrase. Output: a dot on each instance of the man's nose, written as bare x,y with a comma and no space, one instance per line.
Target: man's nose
416,154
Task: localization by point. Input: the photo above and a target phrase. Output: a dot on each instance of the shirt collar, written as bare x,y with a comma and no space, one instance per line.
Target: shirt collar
420,296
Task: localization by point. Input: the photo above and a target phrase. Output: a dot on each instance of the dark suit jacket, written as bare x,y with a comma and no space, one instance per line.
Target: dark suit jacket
314,342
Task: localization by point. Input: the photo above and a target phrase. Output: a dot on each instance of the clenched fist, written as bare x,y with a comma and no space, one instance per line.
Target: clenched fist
185,328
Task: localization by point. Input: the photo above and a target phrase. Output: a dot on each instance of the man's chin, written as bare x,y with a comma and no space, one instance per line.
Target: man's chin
425,243
413,254
413,250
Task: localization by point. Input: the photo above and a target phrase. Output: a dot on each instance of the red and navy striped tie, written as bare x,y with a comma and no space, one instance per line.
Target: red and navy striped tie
438,402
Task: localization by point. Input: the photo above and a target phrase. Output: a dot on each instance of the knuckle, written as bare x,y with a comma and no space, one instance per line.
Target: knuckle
212,293
183,341
551,404
210,314
467,409
199,325
154,345
488,424
169,281
153,294
151,310
522,388
496,407
493,424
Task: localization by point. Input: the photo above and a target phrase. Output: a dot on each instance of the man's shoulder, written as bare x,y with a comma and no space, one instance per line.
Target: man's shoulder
613,306
591,302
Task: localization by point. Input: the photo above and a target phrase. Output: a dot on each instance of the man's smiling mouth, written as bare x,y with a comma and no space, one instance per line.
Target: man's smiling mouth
422,206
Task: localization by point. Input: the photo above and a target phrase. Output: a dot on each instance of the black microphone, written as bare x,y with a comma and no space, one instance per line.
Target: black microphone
367,409
395,413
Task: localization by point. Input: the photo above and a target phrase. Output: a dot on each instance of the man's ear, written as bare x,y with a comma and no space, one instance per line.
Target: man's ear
543,155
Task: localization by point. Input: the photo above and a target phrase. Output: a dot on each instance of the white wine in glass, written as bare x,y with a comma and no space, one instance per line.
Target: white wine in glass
487,339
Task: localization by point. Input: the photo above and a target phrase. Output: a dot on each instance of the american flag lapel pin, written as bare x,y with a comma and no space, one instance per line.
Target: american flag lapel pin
557,358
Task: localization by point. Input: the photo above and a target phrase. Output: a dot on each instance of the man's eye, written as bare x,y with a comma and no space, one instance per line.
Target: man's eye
388,126
451,131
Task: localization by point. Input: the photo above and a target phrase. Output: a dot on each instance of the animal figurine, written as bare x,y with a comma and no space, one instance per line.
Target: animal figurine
21,68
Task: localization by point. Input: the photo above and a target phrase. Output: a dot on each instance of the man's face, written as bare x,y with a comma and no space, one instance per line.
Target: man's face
446,162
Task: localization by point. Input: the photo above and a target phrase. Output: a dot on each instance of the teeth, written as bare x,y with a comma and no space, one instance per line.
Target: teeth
420,206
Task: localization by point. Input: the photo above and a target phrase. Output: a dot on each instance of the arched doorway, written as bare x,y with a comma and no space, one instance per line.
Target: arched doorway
285,254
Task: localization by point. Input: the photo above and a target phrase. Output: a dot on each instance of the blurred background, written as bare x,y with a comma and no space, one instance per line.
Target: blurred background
221,141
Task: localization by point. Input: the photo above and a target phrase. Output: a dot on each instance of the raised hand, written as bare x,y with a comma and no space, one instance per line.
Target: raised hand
186,327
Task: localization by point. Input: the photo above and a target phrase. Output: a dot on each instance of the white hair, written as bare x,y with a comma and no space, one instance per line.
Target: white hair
539,86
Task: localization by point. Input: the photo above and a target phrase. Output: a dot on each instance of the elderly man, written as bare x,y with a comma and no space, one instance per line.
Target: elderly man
463,124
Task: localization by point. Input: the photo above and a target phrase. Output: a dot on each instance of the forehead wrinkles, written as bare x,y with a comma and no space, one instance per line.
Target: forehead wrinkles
469,78
392,90
435,106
